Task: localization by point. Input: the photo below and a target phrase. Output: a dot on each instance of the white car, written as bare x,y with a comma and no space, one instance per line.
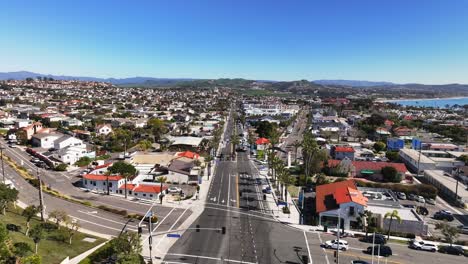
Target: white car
421,199
423,245
174,190
333,244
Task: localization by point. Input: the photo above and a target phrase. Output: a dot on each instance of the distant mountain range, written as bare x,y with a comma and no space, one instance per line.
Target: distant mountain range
21,75
243,83
353,83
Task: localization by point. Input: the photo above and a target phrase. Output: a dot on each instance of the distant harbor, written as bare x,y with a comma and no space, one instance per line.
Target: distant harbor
436,102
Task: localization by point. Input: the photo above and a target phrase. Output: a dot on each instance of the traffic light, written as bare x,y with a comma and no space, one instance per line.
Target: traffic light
223,230
198,228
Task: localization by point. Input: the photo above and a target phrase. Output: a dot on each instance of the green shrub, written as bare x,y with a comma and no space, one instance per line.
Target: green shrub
61,167
286,210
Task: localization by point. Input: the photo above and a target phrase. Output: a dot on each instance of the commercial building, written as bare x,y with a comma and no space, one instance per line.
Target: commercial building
448,186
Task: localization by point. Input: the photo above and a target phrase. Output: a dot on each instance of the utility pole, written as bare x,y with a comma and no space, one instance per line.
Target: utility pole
419,157
41,197
338,238
3,168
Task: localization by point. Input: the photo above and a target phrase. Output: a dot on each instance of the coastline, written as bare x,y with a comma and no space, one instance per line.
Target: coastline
417,99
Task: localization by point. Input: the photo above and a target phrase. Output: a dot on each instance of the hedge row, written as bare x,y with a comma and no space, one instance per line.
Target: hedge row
425,190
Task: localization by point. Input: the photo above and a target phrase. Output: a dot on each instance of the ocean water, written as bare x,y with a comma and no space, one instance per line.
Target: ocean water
438,102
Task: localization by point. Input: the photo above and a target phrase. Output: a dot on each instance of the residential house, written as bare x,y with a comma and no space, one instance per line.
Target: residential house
342,152
45,140
403,131
104,129
183,171
339,200
98,182
366,169
66,141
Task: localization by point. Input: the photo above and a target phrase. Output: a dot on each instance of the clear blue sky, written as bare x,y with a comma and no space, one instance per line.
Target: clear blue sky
399,40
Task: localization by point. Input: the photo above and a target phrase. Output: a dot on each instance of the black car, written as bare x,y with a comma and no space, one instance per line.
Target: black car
359,262
452,250
412,197
443,216
383,251
379,239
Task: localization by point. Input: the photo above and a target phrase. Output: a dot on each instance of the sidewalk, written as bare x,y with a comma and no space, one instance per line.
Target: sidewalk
277,208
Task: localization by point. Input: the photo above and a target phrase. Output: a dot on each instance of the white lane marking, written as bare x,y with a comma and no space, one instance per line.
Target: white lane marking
212,258
106,219
82,220
324,251
220,185
308,248
170,212
229,188
172,227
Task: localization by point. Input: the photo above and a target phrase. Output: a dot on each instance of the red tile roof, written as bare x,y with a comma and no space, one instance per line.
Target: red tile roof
129,186
262,141
342,192
344,149
370,165
100,177
103,166
188,154
149,188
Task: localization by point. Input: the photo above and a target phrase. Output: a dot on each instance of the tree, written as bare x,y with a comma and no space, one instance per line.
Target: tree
449,232
390,174
313,156
124,169
29,212
392,155
72,227
235,140
287,180
379,146
33,259
61,167
144,145
127,246
161,180
392,215
7,195
4,250
37,234
83,161
157,128
21,249
59,216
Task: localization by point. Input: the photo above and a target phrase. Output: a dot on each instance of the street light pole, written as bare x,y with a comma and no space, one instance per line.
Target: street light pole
41,197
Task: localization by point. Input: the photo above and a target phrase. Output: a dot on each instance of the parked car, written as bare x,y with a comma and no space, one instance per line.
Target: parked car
359,262
441,215
430,201
401,196
266,190
412,197
334,244
421,199
452,250
383,251
174,189
12,145
379,239
463,229
35,160
422,245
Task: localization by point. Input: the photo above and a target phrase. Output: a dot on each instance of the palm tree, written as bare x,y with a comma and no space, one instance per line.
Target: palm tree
392,215
286,180
276,165
234,141
37,234
29,212
161,180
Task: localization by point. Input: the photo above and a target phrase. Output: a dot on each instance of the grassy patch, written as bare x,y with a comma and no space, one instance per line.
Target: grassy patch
293,191
51,251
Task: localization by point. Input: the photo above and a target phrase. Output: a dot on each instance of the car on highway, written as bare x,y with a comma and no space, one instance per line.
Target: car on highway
452,250
430,201
401,196
379,239
444,215
463,229
423,245
359,262
174,189
384,251
266,190
412,197
335,244
420,199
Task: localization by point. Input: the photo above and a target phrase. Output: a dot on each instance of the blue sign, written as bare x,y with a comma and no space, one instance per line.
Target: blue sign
173,235
416,144
282,203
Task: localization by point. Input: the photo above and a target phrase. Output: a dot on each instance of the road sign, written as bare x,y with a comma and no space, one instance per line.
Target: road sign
173,235
282,203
